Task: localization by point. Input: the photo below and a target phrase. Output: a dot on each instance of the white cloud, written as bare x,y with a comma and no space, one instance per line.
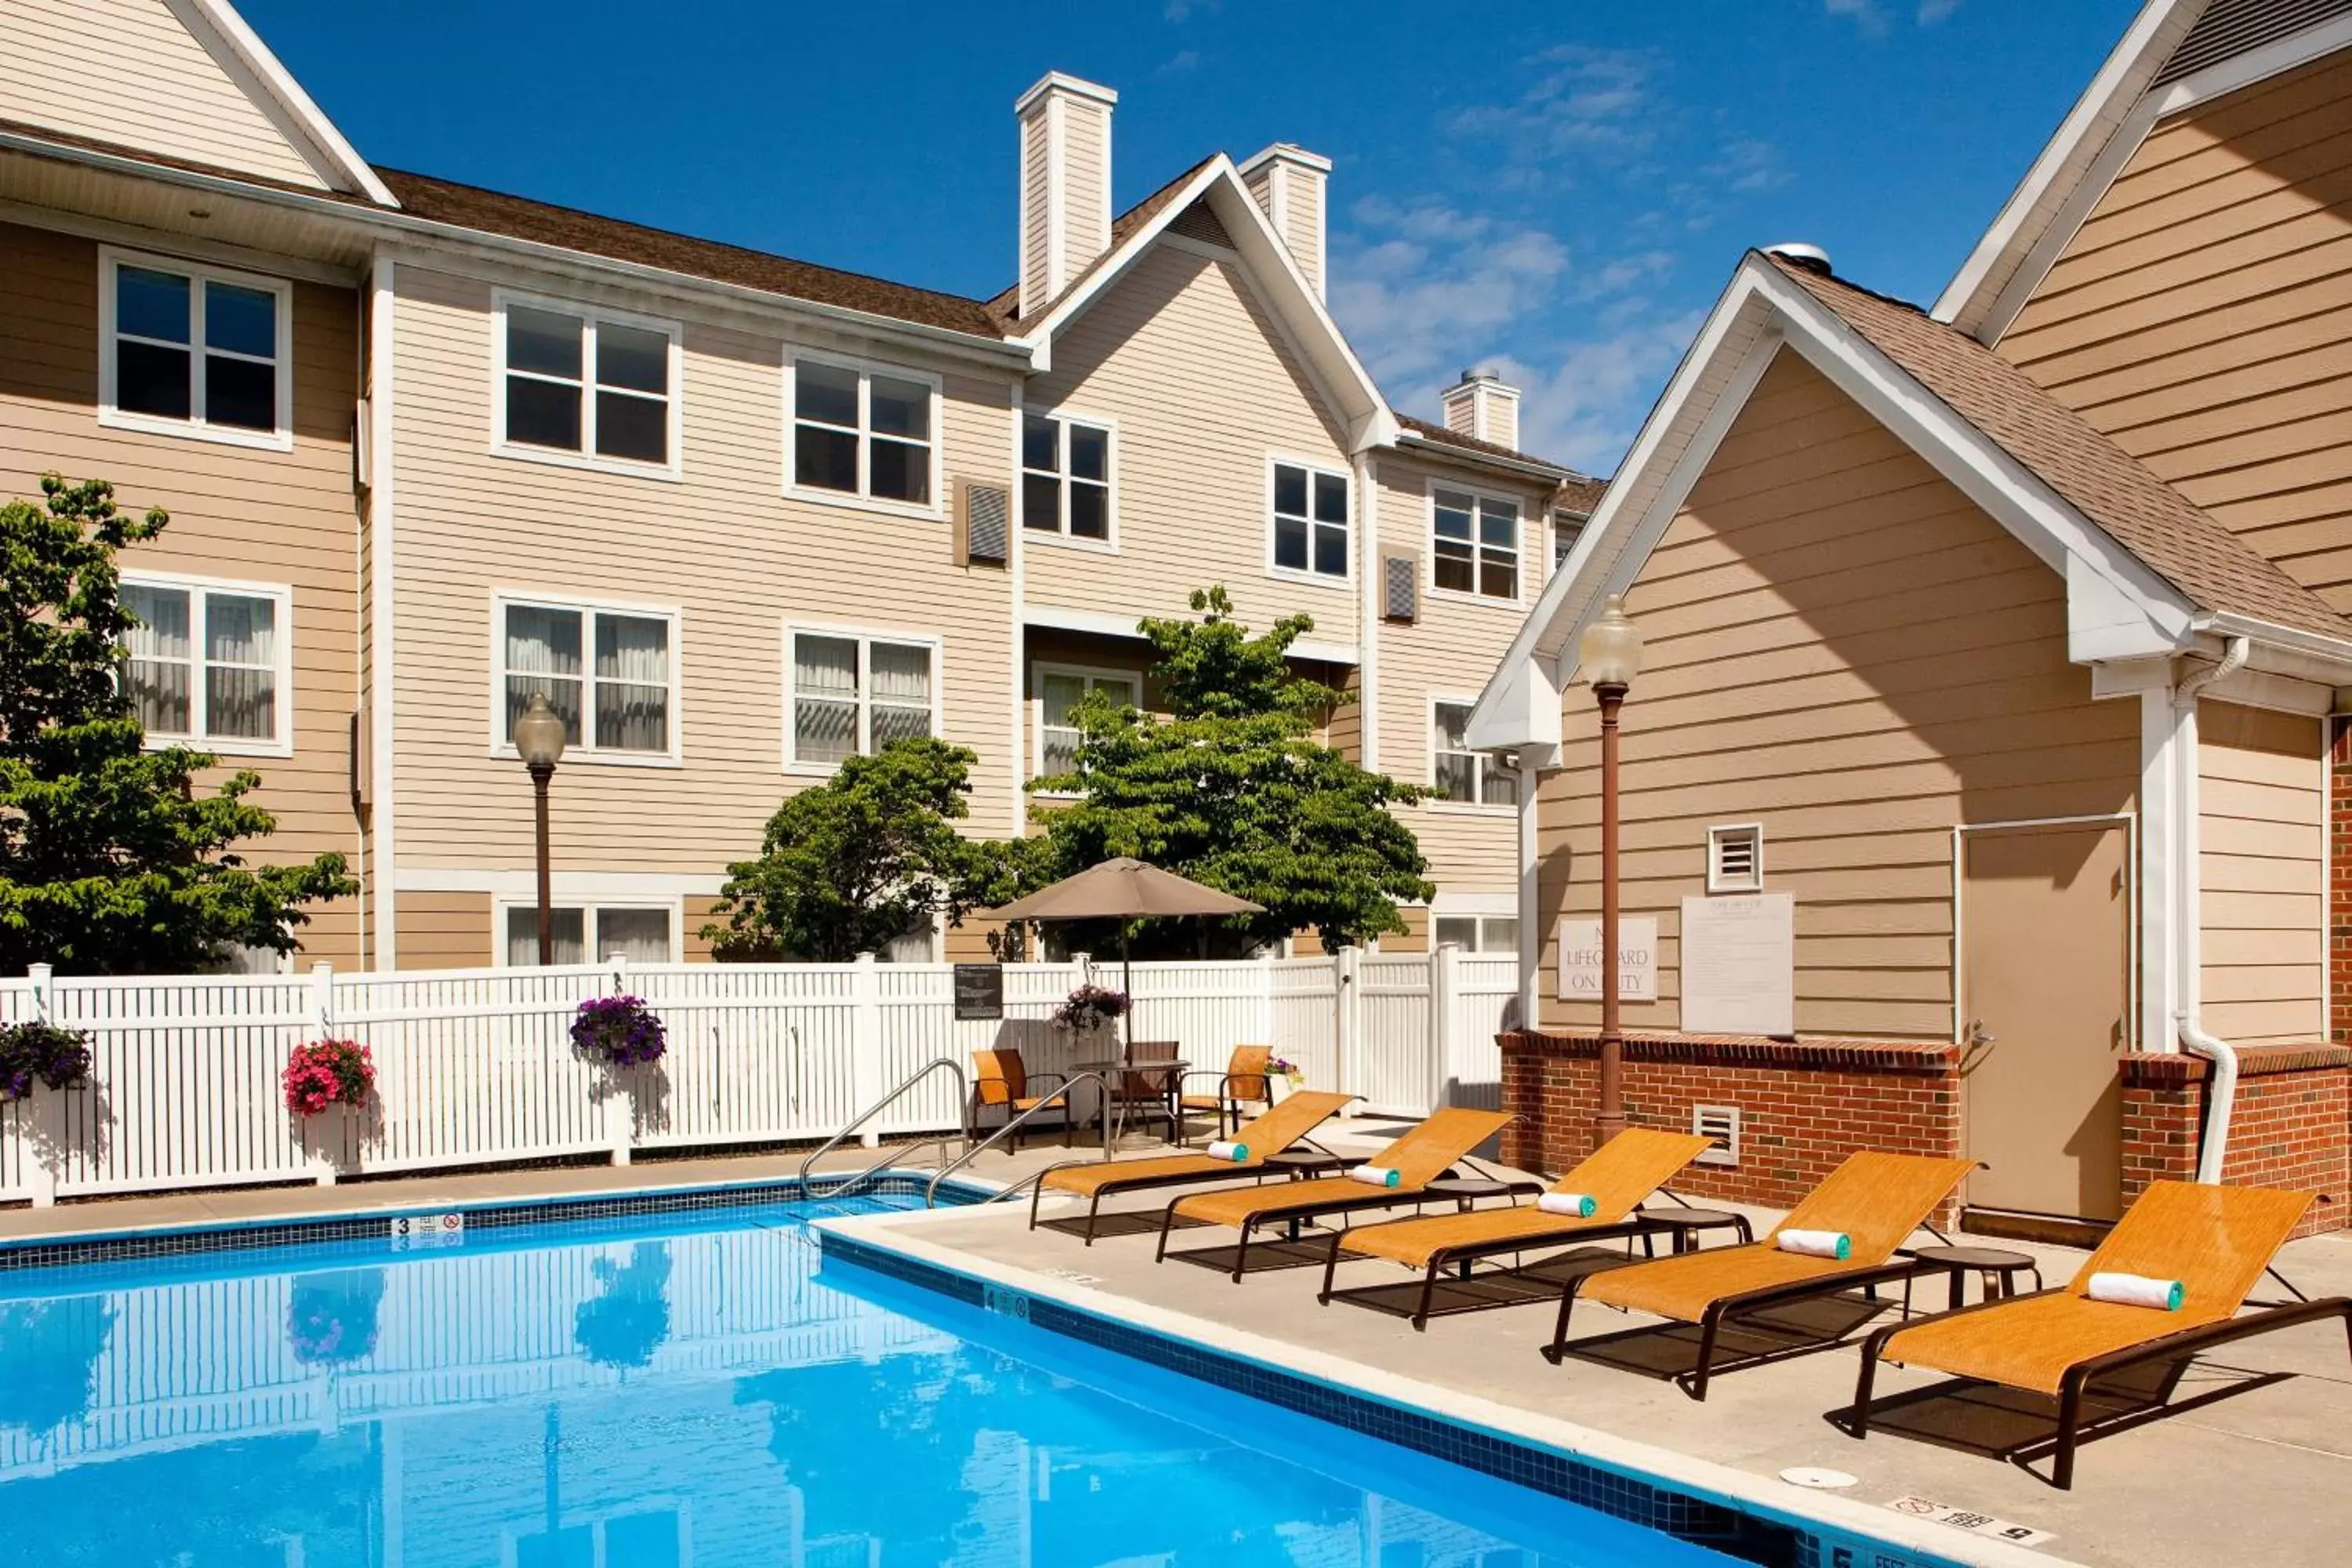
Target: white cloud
1934,11
1866,14
1584,99
1748,164
1180,62
1585,403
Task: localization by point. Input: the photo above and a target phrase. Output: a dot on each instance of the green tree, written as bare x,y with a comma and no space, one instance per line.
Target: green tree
866,857
1232,790
111,860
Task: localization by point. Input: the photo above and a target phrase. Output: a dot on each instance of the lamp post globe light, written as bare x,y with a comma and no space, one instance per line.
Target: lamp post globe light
1610,656
539,742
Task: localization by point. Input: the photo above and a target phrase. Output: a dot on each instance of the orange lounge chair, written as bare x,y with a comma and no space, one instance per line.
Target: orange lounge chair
1422,1156
2216,1241
1271,1133
1619,1177
1876,1199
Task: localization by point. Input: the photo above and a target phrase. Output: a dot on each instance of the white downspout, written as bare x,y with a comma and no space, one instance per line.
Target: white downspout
2213,1147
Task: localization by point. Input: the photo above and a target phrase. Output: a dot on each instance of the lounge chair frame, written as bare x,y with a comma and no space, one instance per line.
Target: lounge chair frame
1371,1199
1140,1183
2080,1377
1723,1308
1466,1255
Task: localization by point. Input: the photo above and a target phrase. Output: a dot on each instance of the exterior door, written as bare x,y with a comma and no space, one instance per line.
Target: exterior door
2045,998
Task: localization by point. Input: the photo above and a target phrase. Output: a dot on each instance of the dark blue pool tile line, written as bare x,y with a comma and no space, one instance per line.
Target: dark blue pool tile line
1698,1519
59,1252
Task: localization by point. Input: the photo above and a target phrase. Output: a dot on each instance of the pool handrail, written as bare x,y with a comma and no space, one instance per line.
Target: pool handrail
1062,1093
906,1085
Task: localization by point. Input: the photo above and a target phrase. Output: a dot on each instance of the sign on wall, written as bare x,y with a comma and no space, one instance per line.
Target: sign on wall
1740,964
978,991
1637,959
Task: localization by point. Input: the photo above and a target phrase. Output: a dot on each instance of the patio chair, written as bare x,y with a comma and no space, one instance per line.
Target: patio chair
1151,1096
1421,1156
999,1078
1271,1133
1619,1177
1876,1199
1243,1083
2217,1241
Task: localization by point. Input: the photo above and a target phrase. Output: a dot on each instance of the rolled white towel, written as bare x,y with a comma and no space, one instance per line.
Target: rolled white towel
1237,1153
2135,1291
1576,1205
1376,1175
1816,1242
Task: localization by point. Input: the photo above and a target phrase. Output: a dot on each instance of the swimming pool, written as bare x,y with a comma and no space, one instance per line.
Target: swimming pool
687,1387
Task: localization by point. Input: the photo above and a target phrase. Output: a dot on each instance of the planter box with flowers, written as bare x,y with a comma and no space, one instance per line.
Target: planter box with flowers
1282,1079
323,1074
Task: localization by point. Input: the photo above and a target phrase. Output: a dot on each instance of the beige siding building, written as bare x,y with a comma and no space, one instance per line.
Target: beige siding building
430,449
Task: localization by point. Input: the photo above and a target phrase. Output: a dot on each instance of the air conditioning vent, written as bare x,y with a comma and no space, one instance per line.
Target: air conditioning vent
1720,1123
1399,588
983,518
1735,859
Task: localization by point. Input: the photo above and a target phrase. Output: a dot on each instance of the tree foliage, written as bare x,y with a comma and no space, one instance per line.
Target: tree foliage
111,860
848,866
1232,790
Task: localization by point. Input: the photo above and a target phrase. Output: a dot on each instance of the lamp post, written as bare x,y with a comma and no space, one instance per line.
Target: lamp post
539,740
1610,654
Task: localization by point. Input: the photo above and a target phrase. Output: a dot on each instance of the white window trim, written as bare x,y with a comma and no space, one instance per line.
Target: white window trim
1132,678
1716,883
502,906
1479,808
279,595
589,316
860,499
1519,503
194,428
1061,538
864,637
1309,575
502,741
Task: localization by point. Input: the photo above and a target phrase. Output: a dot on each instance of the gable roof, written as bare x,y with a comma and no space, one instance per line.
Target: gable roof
1578,490
344,169
2210,567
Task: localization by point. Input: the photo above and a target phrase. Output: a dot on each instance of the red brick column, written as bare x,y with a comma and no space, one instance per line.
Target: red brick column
1804,1105
2292,1126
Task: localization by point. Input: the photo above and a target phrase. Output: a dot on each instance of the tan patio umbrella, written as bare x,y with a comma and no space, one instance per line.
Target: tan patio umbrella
1124,890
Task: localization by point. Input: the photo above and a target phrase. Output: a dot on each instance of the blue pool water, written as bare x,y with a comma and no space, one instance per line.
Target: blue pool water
664,1391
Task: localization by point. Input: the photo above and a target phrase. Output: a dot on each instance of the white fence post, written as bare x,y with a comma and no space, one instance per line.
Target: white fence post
617,1120
1348,1019
1444,987
322,999
1262,1025
43,1154
866,1041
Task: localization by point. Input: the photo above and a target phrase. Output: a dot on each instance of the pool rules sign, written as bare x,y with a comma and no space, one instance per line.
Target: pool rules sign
1637,959
1740,964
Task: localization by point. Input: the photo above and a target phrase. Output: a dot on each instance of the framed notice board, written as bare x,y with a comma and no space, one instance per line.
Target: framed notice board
978,991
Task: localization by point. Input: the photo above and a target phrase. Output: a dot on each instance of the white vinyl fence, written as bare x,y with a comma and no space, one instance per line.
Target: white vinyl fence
474,1067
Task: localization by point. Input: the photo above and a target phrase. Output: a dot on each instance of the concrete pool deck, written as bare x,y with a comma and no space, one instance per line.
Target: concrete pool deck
2259,1474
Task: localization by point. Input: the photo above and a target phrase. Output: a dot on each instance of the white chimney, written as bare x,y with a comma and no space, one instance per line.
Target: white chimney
1288,183
1064,183
1483,408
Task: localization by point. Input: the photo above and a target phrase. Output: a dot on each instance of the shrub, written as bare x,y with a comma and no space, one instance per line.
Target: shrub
326,1073
50,1052
618,1032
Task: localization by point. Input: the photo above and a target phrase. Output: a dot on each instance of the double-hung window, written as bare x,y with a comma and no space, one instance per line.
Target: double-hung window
611,673
589,387
1065,477
591,933
1459,773
1059,691
851,695
206,664
194,351
1310,520
864,432
1474,544
1476,934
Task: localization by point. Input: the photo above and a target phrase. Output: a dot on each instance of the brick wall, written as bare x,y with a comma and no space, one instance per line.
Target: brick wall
2292,1126
1805,1105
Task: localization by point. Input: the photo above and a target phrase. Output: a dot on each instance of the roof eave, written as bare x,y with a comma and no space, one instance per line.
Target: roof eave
1409,439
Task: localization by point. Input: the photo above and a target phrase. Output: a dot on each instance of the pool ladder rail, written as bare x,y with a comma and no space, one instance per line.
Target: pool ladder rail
899,1153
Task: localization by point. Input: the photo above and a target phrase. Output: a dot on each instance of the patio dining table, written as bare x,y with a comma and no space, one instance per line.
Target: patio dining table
1171,1071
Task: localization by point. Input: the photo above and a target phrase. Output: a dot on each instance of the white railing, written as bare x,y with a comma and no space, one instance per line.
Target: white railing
474,1067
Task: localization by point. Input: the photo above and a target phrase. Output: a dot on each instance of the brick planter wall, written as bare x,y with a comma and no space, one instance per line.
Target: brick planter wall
2292,1126
1804,1105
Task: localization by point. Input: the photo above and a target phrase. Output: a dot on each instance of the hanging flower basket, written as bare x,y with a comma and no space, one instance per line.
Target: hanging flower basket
618,1032
41,1053
1090,1008
324,1074
331,1318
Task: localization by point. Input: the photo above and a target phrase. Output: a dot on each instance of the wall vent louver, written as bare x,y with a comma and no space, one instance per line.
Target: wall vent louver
1735,859
2229,28
983,524
1721,1124
1399,588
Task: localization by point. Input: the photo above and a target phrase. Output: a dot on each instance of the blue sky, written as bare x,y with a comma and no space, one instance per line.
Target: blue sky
1561,190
